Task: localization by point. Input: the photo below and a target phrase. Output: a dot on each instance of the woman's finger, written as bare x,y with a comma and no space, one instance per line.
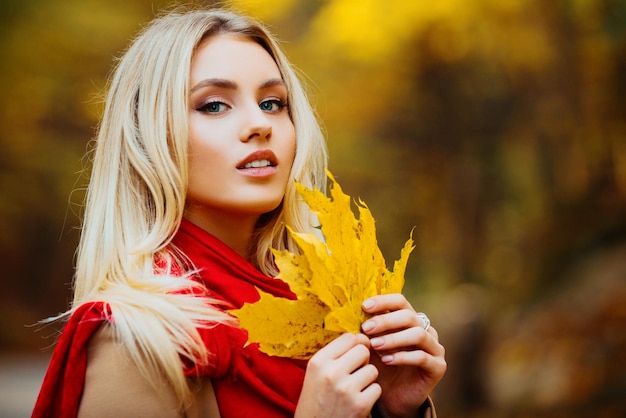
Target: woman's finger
394,320
340,345
384,303
415,338
343,355
434,365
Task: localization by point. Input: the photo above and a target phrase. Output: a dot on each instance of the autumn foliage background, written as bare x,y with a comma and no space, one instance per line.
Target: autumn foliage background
496,128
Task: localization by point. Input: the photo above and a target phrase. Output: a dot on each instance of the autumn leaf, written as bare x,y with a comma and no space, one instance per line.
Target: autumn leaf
331,278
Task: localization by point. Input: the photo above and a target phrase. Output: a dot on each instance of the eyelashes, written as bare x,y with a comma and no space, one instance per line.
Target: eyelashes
273,105
217,106
213,107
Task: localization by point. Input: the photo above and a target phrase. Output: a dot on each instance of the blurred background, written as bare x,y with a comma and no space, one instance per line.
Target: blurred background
495,128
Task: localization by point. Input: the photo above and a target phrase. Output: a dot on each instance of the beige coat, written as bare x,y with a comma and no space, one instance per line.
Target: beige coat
115,388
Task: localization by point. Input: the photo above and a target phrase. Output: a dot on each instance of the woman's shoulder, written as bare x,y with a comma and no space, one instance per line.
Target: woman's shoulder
114,385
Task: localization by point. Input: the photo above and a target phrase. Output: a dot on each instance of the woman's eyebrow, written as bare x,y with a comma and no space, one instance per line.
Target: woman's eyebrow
215,82
231,85
272,82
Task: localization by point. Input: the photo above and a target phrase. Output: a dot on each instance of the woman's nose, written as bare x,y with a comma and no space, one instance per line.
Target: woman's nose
256,125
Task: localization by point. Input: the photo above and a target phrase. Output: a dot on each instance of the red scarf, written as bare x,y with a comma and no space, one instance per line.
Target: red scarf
63,384
253,384
247,382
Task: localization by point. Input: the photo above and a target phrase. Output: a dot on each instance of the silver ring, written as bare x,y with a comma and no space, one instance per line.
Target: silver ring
425,321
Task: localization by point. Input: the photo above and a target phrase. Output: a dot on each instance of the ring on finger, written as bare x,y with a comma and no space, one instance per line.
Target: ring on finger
425,321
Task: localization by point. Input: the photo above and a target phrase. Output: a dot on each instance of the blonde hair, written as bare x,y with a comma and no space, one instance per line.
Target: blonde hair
136,196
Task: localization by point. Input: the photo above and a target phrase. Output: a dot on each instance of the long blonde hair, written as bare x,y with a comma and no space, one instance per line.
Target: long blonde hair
136,196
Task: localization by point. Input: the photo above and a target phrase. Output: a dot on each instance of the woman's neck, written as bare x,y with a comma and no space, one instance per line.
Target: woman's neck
234,231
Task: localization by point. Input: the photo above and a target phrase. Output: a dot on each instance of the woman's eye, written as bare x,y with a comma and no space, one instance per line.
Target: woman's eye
273,105
213,107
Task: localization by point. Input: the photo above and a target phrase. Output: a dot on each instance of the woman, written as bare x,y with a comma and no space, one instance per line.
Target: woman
206,129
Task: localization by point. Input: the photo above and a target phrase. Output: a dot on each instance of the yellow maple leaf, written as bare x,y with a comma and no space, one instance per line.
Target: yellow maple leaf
331,278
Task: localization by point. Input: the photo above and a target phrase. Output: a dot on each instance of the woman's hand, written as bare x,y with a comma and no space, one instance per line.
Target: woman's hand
409,359
339,381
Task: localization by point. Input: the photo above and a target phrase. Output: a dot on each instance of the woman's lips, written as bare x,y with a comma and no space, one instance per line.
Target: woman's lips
259,164
259,158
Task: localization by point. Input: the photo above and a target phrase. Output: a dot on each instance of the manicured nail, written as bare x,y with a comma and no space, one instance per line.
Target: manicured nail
368,326
387,358
377,342
368,304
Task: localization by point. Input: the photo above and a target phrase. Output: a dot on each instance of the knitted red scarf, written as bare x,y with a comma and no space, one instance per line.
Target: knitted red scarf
247,382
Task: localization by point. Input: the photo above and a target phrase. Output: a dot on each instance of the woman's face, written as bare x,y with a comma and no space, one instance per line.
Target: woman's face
241,138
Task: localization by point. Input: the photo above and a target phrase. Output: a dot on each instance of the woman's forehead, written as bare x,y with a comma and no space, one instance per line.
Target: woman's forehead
227,56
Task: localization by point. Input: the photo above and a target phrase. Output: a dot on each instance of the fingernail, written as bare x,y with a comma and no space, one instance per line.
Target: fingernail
368,304
387,358
368,326
377,342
